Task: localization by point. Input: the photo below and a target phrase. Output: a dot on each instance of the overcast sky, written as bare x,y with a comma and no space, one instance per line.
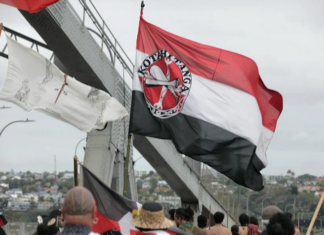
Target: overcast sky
285,38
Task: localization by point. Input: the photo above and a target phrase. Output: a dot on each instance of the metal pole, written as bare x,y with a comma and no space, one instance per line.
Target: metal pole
1,26
287,206
76,147
75,163
247,202
298,224
15,122
84,9
126,165
263,202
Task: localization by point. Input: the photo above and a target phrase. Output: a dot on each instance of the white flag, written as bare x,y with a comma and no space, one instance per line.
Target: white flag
34,83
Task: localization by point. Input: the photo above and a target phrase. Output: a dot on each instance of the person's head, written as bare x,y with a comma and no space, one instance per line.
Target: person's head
280,224
151,217
268,212
202,221
218,217
171,214
289,215
79,207
235,229
244,219
254,220
183,215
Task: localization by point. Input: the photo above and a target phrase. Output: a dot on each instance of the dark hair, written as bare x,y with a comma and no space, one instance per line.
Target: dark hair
280,224
244,219
171,213
254,220
289,215
202,221
218,217
185,214
234,229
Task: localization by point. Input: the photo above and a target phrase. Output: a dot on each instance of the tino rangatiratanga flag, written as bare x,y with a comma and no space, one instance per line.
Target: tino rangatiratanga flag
34,83
210,102
31,6
115,212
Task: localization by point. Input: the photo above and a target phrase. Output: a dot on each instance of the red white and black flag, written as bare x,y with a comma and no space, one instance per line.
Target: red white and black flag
210,102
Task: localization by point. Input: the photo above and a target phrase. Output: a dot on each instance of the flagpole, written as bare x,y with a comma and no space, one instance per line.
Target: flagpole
75,163
126,178
129,141
310,227
1,26
142,7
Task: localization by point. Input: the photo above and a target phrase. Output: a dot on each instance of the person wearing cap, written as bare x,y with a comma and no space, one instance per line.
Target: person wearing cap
79,212
267,214
151,217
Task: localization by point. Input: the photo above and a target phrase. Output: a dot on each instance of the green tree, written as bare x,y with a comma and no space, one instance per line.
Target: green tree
64,190
139,185
69,183
294,192
33,205
153,183
143,176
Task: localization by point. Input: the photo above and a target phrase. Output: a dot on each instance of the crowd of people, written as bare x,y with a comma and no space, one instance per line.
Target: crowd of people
78,215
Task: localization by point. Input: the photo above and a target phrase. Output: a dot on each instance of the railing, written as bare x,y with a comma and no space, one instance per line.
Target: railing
115,51
35,45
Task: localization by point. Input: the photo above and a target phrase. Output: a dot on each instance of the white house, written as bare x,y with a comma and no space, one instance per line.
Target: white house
140,173
146,184
4,177
15,191
161,183
39,176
